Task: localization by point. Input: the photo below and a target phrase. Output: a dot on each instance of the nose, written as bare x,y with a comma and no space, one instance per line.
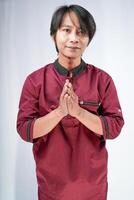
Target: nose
74,38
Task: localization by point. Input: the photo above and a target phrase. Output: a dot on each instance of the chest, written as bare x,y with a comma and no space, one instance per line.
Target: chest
85,86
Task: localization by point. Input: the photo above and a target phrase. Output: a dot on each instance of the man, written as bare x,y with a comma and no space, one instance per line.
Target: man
68,109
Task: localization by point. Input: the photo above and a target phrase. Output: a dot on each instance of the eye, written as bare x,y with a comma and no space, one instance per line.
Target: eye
81,32
67,30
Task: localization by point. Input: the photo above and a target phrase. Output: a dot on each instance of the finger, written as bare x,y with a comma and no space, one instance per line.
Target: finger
70,87
65,96
62,95
66,83
67,87
64,90
72,93
69,100
66,100
63,101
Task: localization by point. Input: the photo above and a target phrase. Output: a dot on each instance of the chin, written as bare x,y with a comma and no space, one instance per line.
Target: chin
72,56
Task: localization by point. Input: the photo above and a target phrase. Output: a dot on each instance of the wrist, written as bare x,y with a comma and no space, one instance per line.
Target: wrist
80,113
59,113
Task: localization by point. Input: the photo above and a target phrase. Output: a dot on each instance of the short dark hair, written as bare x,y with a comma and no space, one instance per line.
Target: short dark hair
86,20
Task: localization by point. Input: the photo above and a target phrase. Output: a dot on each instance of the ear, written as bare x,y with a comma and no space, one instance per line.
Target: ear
88,42
54,38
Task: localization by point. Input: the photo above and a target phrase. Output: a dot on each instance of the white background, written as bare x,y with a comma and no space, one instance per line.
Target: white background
25,45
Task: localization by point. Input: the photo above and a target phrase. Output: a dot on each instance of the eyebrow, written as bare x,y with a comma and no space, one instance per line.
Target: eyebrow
69,26
64,25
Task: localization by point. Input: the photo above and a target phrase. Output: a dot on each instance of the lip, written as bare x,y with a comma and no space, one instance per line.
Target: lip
73,47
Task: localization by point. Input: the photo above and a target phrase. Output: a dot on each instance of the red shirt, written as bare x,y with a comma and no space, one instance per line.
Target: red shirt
71,161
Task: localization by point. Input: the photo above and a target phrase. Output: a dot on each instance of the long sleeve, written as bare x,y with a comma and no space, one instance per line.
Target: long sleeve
111,113
28,111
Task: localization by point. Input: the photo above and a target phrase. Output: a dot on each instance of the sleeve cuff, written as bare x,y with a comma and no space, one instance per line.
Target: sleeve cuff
29,130
105,127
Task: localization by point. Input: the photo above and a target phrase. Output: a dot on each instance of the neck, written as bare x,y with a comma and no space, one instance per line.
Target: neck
69,63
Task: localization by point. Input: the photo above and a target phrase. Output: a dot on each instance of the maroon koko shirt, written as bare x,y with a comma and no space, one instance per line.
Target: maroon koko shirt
71,161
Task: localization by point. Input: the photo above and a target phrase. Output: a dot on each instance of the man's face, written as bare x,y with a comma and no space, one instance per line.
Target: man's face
70,40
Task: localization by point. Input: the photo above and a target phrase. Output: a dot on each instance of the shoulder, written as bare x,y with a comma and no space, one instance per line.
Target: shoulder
35,79
98,72
39,73
103,79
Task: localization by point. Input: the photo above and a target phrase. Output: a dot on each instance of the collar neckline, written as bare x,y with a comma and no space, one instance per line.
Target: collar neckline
63,71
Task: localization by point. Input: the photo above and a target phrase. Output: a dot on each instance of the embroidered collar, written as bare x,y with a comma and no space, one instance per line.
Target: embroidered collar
75,71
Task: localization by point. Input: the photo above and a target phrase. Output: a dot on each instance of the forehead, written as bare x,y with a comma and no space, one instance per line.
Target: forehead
70,19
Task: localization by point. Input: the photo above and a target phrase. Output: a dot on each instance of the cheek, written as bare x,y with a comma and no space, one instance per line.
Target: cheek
60,40
84,46
85,43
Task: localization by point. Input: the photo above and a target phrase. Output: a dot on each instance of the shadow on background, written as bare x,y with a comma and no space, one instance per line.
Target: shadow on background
25,177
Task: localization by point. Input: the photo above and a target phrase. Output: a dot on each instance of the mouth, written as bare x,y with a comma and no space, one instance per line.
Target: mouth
72,47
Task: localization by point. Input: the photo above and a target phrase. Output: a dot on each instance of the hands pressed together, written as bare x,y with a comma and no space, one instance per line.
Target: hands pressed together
69,104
